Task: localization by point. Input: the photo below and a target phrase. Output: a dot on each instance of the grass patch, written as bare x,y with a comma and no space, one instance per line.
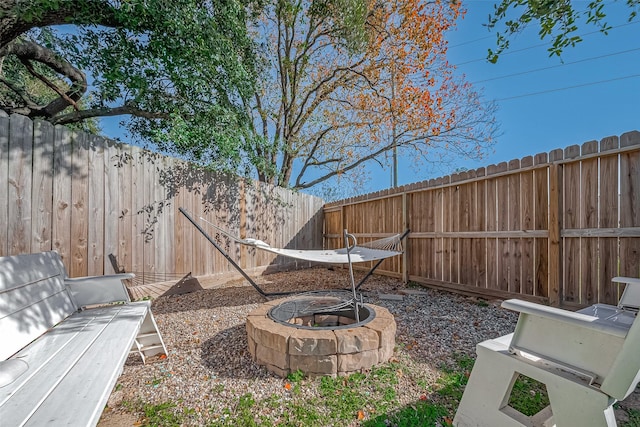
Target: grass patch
163,414
528,396
634,418
370,400
417,414
450,385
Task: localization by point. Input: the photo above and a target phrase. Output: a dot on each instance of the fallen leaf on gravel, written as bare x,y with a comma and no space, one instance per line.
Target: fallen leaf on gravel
360,415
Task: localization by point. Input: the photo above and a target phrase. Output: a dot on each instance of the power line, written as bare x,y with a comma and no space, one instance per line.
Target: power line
510,52
567,88
470,41
535,70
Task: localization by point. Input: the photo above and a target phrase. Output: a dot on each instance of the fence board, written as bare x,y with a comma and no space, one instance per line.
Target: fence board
447,243
169,220
572,214
438,217
138,216
608,247
20,181
111,205
502,195
126,207
589,256
492,225
479,245
150,213
61,229
79,201
526,214
4,185
96,207
42,202
541,222
467,203
515,244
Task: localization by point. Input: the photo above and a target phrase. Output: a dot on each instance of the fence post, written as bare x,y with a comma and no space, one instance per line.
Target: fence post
405,225
242,206
555,195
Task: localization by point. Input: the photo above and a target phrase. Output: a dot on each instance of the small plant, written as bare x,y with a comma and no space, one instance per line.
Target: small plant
162,414
296,376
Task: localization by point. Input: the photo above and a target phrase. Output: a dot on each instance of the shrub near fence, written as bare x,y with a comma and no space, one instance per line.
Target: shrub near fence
554,227
88,197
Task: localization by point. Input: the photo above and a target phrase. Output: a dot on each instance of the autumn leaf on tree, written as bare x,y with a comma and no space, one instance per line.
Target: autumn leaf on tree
328,105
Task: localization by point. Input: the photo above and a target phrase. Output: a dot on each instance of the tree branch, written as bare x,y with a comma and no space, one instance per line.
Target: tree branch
56,89
28,51
78,116
13,24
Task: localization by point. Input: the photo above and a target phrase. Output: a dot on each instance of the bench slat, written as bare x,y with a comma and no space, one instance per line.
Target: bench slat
20,327
99,353
18,298
20,270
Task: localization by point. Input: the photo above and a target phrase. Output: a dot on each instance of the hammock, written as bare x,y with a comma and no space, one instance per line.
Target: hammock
378,250
370,251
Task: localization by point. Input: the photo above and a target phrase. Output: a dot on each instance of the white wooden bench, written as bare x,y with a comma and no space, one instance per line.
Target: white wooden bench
587,360
63,341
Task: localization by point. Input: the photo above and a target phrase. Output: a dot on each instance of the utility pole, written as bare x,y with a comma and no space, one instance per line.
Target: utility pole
394,169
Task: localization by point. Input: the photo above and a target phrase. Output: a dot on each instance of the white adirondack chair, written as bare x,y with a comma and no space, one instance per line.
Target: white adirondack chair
587,360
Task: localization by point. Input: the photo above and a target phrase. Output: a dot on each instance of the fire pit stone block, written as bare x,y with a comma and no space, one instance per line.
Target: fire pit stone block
309,342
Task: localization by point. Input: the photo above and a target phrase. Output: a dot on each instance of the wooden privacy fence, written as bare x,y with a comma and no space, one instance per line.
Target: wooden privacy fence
88,197
554,227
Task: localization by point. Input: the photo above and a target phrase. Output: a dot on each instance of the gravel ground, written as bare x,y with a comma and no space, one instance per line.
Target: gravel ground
209,367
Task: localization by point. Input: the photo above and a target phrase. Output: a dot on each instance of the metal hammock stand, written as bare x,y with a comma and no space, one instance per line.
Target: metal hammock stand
377,250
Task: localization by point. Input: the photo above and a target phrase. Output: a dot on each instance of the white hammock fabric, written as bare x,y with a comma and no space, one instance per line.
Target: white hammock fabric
370,251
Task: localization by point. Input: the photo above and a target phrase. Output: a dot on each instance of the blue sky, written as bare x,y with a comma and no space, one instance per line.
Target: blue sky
532,122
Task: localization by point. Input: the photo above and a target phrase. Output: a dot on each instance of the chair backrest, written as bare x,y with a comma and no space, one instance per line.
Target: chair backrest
625,371
630,299
33,298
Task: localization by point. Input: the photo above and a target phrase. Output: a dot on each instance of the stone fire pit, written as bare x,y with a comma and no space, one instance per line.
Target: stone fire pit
320,344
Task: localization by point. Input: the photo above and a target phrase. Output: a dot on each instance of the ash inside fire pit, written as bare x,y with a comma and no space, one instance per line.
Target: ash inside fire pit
317,311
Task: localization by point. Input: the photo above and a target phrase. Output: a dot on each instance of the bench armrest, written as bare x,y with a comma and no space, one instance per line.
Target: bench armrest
94,290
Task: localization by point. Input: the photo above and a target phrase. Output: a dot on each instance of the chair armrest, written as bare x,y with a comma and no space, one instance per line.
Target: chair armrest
557,314
627,280
575,342
94,290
